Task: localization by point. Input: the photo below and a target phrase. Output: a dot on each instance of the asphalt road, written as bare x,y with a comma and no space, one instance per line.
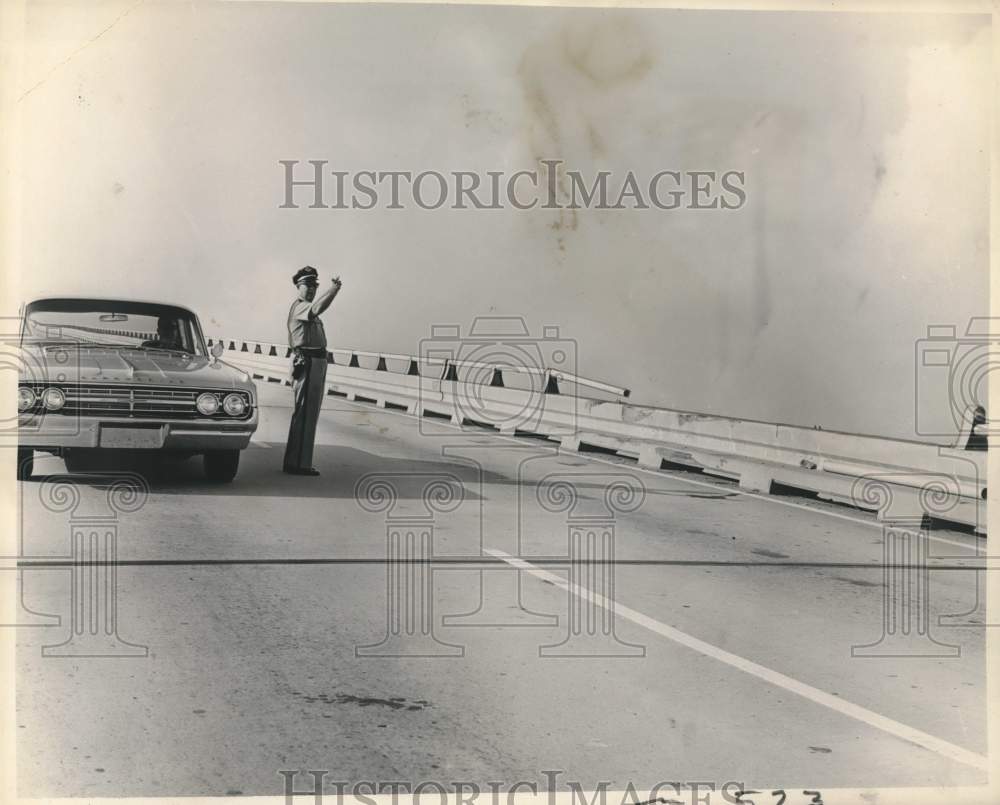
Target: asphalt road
730,657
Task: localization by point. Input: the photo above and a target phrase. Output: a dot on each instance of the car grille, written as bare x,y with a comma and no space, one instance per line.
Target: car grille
140,403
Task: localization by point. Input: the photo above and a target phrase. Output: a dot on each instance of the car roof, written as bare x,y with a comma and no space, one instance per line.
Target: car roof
109,299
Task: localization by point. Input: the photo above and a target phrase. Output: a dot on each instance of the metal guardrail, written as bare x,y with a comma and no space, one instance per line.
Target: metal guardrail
902,481
449,366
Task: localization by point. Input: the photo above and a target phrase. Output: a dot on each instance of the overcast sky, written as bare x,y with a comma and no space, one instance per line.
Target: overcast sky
150,170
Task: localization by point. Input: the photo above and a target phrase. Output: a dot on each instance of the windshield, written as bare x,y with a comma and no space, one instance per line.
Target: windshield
122,325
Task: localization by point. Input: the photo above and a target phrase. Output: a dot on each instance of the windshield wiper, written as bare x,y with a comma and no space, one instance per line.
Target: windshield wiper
163,349
50,344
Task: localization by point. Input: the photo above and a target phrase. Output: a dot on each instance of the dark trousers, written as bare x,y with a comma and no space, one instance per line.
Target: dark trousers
309,389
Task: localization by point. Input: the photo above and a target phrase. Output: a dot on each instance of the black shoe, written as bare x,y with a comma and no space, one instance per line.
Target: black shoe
302,471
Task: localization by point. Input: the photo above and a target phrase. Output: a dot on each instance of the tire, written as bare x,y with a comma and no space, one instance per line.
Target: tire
74,461
25,464
221,465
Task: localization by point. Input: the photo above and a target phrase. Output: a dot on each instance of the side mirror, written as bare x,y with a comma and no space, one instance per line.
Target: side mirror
217,349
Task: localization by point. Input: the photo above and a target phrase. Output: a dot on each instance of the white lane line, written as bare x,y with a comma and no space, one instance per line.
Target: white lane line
873,719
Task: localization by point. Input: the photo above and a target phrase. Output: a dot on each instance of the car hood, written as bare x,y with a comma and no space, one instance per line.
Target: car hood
128,366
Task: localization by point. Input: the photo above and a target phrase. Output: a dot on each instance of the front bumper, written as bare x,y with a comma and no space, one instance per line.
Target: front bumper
56,431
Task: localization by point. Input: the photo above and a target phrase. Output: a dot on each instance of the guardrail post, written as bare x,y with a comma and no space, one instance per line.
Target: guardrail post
571,444
649,456
906,611
409,588
381,367
973,431
591,552
94,569
354,362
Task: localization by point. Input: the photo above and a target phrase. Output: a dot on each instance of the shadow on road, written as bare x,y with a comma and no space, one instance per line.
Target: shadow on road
260,474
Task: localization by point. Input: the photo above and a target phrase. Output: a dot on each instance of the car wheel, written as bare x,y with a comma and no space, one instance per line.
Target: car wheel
74,461
25,464
221,465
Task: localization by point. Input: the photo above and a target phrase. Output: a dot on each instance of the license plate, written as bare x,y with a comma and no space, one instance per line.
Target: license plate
137,438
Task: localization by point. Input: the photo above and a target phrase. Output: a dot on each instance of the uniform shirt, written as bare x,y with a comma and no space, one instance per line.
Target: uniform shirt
305,329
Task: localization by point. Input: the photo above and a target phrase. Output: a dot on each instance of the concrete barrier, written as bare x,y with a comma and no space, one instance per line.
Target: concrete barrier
948,484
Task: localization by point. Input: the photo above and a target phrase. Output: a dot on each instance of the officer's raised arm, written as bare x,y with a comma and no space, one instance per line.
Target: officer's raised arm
324,300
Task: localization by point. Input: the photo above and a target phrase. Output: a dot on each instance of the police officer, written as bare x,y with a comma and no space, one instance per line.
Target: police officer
307,341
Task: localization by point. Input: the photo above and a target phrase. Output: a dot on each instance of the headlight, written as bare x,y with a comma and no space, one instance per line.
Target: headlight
25,398
207,404
234,405
53,399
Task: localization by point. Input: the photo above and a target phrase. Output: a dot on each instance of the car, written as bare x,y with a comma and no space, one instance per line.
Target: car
103,375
